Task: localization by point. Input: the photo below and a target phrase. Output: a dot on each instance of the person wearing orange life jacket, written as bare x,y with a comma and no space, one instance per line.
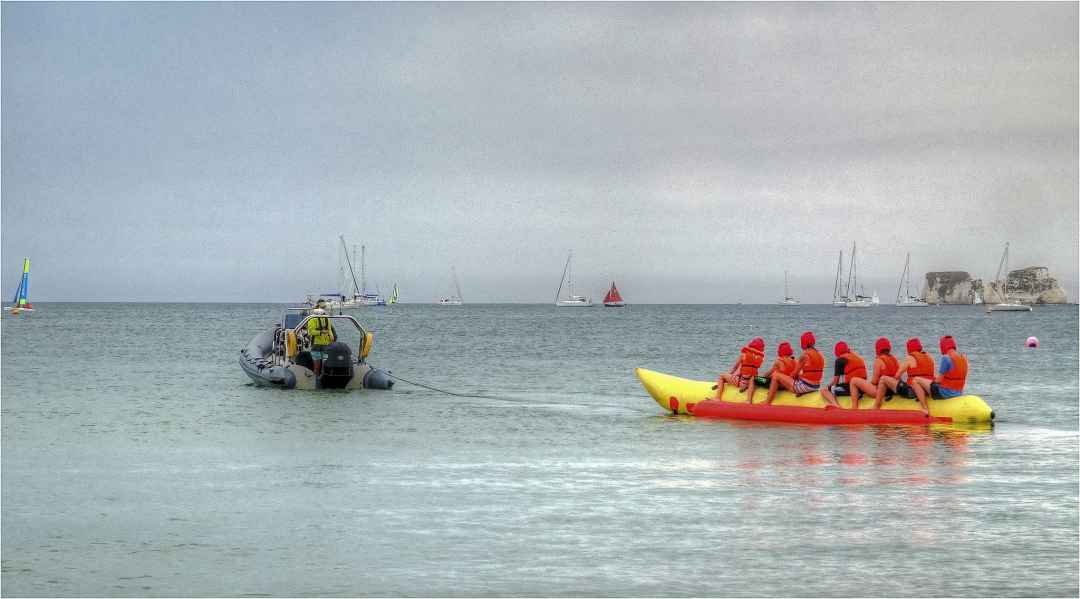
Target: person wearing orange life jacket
885,365
849,365
952,371
919,367
745,369
785,362
807,375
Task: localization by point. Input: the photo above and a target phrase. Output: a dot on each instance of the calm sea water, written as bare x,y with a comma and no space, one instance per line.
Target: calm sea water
139,461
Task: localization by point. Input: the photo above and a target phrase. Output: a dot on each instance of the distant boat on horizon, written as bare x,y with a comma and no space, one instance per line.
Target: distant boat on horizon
572,301
453,300
788,300
21,303
613,299
904,299
1005,305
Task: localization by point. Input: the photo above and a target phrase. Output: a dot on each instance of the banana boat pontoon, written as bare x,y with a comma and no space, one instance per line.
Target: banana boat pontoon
697,398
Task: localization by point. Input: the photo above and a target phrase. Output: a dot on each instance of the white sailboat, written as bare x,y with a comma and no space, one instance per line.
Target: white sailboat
1006,305
788,300
572,301
453,300
858,300
904,299
360,296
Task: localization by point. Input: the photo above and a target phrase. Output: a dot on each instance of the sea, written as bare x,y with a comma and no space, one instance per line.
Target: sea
139,460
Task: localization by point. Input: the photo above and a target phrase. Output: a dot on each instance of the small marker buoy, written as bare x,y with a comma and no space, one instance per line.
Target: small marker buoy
1032,342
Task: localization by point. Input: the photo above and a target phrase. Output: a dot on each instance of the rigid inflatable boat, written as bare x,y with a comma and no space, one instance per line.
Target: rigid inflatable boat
697,398
282,357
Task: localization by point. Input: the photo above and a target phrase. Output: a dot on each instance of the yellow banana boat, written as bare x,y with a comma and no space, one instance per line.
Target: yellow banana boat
682,396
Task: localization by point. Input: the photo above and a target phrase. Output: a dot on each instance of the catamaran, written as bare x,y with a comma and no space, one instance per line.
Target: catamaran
1005,305
904,299
360,296
572,301
453,300
21,303
788,300
858,300
613,299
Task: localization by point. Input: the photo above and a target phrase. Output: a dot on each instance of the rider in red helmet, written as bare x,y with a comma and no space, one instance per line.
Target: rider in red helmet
807,377
745,369
850,366
785,363
952,371
919,367
885,365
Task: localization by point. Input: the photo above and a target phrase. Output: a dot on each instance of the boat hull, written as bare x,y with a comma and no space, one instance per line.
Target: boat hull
687,396
1008,308
614,304
257,360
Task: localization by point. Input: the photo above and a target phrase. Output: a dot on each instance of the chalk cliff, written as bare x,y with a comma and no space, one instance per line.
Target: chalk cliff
952,287
1032,285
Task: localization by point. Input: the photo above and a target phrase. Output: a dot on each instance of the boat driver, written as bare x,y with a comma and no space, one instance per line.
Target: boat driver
322,334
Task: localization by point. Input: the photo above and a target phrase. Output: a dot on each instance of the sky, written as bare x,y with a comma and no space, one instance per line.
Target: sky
690,152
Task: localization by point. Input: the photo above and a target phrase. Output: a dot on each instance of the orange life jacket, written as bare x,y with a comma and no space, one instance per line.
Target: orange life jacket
854,367
889,365
751,362
812,369
924,366
787,365
955,378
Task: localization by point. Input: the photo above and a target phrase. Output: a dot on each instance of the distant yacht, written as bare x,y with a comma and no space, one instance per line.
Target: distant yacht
572,301
788,300
858,300
453,300
904,299
360,296
1006,305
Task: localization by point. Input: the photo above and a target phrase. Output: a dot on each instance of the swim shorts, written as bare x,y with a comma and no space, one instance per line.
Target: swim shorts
939,392
842,389
802,387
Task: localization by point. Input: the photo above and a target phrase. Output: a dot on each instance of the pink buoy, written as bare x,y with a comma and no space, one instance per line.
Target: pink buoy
1032,342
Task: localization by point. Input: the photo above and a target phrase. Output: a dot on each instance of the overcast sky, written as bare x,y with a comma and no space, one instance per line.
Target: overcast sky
691,152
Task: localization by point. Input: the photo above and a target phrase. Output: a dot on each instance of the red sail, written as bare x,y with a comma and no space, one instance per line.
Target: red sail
612,295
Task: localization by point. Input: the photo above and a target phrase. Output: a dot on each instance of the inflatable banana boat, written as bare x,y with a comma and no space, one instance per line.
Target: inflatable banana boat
697,398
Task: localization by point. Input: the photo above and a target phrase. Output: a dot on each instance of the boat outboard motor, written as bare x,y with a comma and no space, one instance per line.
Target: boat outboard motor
337,369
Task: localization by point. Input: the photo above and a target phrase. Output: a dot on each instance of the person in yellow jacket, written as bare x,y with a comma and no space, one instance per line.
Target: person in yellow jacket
322,334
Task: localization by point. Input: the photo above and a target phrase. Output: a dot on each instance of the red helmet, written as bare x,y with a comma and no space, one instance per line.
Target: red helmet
784,349
882,345
914,344
841,348
758,343
947,343
807,340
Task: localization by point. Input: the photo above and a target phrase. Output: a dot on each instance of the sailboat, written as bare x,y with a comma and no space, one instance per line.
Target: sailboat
613,299
393,296
858,300
788,300
904,299
1005,305
838,298
21,303
453,300
572,301
360,296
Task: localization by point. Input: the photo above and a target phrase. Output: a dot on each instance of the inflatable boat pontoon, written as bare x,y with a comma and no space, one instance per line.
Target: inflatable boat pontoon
282,357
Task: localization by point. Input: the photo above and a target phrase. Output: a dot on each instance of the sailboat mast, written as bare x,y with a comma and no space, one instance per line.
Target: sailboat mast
851,273
457,287
561,279
900,287
363,269
839,275
1005,286
570,274
346,251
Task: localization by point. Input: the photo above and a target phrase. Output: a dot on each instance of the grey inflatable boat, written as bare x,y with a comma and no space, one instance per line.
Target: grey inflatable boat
288,357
